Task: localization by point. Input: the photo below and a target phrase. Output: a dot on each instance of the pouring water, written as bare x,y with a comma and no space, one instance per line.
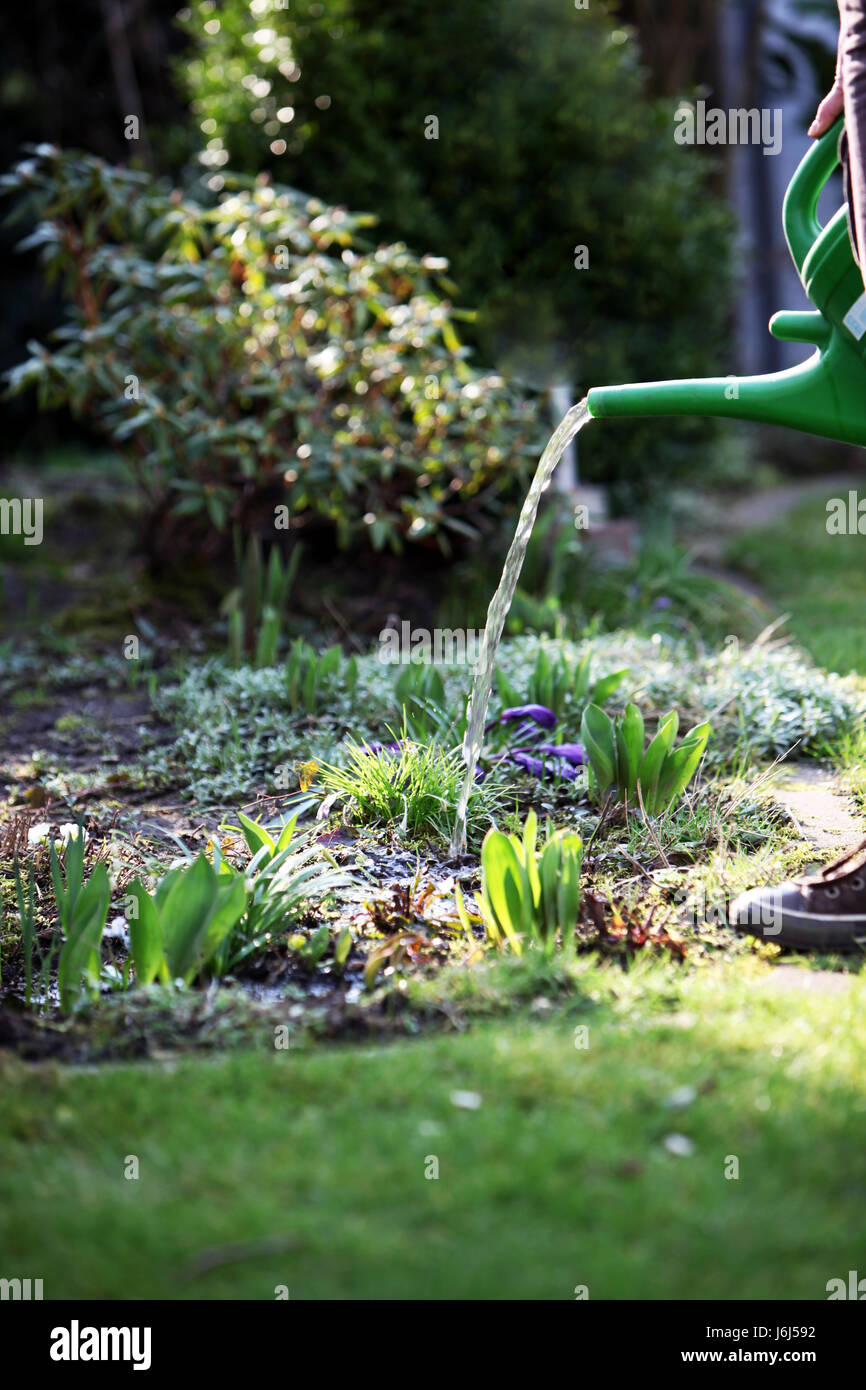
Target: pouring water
476,712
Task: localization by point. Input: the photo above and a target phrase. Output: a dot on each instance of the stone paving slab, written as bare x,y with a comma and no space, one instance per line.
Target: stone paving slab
824,814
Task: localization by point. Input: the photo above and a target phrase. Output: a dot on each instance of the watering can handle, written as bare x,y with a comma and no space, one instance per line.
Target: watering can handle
800,210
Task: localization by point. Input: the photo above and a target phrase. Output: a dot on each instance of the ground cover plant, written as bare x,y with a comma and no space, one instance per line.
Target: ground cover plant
761,701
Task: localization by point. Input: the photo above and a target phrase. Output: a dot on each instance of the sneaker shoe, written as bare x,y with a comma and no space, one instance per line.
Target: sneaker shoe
825,910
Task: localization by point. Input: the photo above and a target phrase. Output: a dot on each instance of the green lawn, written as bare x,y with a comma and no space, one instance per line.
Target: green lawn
560,1178
820,579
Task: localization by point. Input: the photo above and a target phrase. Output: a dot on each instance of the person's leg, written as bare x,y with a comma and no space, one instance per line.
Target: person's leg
827,910
852,65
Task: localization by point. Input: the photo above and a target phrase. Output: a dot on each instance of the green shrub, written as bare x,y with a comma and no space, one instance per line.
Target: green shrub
257,360
546,142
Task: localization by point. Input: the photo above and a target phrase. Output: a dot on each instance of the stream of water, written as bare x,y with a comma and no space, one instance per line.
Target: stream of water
479,696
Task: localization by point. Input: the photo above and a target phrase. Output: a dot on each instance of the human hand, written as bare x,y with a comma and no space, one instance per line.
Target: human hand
830,108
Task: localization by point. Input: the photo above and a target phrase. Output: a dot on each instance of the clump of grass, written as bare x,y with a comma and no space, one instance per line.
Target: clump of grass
409,787
743,813
849,755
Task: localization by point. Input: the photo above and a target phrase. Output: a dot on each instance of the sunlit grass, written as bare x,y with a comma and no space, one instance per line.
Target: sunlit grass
411,787
820,579
560,1177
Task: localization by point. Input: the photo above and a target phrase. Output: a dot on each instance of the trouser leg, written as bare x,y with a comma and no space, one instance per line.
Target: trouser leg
852,61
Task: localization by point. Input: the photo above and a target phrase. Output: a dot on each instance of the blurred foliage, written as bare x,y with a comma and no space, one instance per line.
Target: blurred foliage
679,41
571,585
546,142
258,354
70,74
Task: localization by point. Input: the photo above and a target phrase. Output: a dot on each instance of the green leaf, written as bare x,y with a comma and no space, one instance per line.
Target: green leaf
541,687
530,832
488,916
57,883
568,893
164,887
653,760
145,935
315,948
236,638
80,953
681,763
462,913
597,736
580,685
268,639
330,662
502,881
605,687
286,834
342,948
309,688
629,749
229,905
255,835
551,864
185,914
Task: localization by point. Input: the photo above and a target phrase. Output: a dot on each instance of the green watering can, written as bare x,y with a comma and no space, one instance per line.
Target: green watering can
824,395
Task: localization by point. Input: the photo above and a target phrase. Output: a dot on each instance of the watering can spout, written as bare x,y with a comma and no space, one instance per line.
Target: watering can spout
798,398
826,394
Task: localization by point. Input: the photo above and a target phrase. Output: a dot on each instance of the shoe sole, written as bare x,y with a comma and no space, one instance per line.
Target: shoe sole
809,930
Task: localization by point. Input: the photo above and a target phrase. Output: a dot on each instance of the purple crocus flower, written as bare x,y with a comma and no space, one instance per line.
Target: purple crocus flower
571,752
539,714
537,767
384,747
662,601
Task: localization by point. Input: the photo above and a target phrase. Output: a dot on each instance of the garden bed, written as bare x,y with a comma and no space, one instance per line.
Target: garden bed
155,778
